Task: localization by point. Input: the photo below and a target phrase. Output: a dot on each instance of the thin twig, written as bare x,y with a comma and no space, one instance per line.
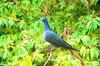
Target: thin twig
48,58
55,60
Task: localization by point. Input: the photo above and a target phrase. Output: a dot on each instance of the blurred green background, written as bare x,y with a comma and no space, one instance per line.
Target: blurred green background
21,35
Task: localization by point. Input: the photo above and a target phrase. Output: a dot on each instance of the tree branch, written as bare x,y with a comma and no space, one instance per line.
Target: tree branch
48,58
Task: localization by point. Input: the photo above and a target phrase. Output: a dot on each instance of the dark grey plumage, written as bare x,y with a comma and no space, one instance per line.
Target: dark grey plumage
53,38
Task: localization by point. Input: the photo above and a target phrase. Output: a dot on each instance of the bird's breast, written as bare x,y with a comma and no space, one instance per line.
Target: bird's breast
47,35
45,38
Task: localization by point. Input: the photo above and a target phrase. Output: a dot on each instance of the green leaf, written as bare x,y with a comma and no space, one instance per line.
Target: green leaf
95,63
86,39
94,53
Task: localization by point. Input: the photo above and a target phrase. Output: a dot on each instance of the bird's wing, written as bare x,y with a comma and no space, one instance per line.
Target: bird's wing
53,38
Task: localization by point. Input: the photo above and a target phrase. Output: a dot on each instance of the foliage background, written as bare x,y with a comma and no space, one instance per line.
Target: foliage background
21,35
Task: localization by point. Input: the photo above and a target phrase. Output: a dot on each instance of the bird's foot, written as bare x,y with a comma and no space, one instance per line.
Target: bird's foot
53,47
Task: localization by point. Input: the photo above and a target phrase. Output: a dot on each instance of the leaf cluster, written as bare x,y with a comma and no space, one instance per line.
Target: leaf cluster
21,35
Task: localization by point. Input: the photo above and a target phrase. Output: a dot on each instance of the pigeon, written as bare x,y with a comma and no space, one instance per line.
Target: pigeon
51,37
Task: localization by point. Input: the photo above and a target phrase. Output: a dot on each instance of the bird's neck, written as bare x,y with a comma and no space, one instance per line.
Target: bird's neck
46,26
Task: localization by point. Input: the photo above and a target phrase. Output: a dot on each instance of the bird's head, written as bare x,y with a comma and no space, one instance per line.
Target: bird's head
43,19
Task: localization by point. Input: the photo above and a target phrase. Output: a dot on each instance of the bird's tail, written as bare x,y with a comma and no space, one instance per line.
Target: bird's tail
74,49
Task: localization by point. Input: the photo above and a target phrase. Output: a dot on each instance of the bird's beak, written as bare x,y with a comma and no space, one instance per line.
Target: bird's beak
39,20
